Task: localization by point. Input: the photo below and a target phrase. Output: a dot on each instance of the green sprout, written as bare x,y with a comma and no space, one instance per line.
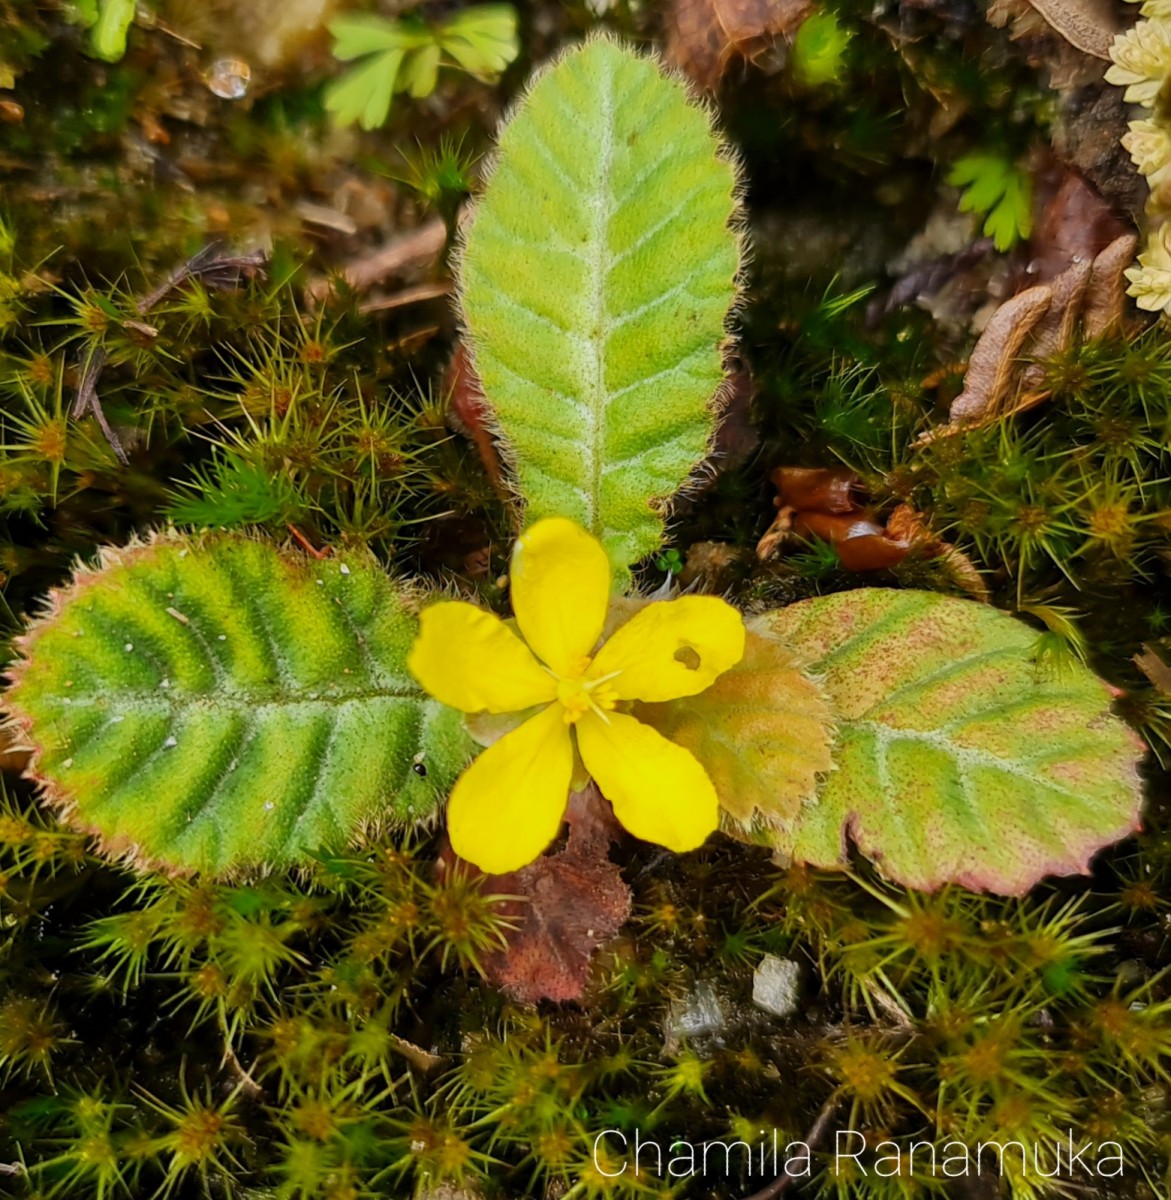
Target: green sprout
669,562
995,187
405,56
819,50
108,22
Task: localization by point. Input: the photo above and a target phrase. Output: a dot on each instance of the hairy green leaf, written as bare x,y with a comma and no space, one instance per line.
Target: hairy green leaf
217,704
597,276
958,759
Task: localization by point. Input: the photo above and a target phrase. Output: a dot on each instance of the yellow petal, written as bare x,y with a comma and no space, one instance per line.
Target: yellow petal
470,659
659,791
508,805
671,648
560,589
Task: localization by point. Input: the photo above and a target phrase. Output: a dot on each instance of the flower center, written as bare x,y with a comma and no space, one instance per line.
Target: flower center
578,696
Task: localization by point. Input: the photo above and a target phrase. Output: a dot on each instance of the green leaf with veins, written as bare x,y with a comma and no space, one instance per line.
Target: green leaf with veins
405,56
217,704
597,275
958,758
996,188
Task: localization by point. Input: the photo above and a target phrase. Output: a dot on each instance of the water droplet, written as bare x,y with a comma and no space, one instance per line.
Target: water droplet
171,741
228,78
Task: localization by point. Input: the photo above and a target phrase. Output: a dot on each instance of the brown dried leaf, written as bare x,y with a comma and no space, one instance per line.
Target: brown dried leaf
470,413
577,900
1054,332
1073,225
1089,25
860,541
991,377
1106,295
1155,669
820,489
704,36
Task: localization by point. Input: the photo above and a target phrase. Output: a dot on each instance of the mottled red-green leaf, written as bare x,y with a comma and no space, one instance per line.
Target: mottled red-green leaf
958,759
762,731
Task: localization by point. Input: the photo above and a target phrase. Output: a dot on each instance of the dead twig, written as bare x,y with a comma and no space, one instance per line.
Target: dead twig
219,271
813,1139
406,253
408,296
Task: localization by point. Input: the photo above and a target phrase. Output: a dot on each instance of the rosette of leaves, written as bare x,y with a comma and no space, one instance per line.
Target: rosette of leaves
405,55
217,704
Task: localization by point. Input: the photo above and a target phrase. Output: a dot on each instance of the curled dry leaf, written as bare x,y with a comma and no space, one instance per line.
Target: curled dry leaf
1055,331
705,36
576,901
1079,251
819,489
1067,38
1154,668
1105,301
992,369
828,503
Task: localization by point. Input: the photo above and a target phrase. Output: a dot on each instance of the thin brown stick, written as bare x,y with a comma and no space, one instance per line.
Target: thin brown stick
408,296
412,250
305,543
216,270
813,1138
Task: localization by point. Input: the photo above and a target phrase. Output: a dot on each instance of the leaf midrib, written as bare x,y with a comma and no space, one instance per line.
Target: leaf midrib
600,266
177,699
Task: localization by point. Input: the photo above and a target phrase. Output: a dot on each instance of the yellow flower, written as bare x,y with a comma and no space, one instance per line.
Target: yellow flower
508,805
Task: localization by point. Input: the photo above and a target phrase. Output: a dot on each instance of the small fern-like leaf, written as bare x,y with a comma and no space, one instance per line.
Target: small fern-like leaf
217,704
597,276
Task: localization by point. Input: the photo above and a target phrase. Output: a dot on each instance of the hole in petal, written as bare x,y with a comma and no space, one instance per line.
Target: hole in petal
688,656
